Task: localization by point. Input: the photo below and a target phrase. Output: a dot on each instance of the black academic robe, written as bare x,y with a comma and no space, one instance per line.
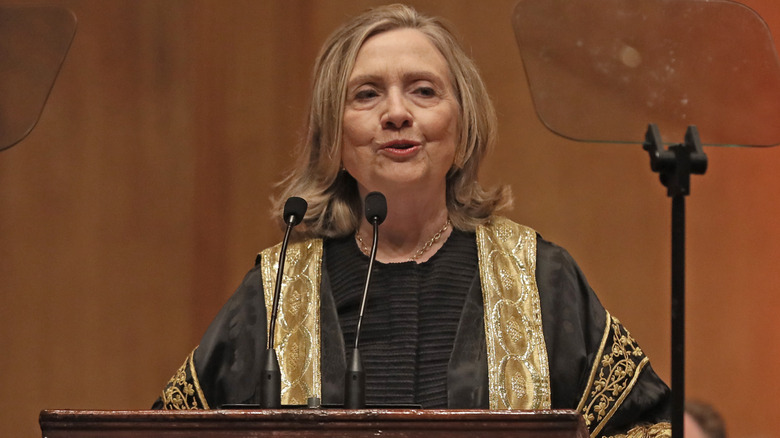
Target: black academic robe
583,343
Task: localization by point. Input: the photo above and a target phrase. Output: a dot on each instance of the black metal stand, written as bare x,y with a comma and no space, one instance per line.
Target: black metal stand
675,167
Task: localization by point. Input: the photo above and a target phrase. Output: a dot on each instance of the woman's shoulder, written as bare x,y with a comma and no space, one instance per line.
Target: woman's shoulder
506,229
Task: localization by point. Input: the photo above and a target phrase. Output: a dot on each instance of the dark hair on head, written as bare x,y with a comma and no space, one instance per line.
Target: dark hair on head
707,418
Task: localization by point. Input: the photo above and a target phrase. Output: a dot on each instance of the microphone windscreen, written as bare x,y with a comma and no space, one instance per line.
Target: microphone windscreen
295,207
376,207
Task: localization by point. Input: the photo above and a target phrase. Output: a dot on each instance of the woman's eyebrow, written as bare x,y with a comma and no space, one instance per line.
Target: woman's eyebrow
371,78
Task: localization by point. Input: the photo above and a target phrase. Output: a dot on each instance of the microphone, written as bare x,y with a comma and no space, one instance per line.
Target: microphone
355,379
271,377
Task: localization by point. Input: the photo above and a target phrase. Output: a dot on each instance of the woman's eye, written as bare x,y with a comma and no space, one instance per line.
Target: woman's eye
426,91
365,94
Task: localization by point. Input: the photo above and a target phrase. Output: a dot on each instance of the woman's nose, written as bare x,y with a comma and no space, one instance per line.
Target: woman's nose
397,114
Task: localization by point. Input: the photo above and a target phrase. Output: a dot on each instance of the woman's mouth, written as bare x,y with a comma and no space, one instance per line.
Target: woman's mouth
401,148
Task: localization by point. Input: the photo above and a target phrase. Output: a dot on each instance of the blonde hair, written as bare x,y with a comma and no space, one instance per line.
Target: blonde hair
335,207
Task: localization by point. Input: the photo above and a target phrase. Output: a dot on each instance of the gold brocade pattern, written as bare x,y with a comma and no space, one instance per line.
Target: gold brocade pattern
518,373
183,389
518,369
660,430
297,336
615,372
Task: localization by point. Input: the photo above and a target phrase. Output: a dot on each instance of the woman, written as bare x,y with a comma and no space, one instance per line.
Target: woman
466,309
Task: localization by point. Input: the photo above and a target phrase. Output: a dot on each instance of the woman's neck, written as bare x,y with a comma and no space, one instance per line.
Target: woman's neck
412,222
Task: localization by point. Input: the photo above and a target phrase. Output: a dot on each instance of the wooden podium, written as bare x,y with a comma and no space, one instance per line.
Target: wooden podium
390,423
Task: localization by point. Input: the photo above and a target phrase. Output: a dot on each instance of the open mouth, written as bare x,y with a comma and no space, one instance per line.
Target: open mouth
401,146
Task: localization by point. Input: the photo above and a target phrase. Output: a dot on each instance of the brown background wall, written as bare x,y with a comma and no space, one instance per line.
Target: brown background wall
135,207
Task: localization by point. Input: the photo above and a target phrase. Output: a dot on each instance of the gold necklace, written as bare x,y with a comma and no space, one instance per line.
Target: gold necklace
419,252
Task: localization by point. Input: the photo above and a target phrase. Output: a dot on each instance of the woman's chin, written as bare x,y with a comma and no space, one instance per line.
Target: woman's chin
409,183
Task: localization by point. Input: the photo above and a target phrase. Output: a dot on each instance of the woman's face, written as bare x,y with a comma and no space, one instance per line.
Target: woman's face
401,115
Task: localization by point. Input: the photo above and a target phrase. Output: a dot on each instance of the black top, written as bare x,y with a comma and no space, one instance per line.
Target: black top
411,317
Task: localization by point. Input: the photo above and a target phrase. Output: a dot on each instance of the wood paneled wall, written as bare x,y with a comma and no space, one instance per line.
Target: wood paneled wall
135,207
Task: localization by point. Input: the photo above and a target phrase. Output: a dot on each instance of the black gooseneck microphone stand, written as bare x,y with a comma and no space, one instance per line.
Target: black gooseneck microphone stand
271,377
355,379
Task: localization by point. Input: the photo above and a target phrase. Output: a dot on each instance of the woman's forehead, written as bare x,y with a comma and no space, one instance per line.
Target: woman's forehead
401,51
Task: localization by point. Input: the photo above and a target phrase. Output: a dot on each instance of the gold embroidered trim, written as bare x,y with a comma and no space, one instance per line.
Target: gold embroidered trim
618,370
183,389
660,430
519,373
518,368
196,381
297,336
595,366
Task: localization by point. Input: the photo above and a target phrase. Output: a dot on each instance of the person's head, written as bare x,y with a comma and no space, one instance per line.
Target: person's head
703,421
332,193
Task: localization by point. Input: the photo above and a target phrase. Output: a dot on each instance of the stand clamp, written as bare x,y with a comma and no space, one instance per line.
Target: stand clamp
676,164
